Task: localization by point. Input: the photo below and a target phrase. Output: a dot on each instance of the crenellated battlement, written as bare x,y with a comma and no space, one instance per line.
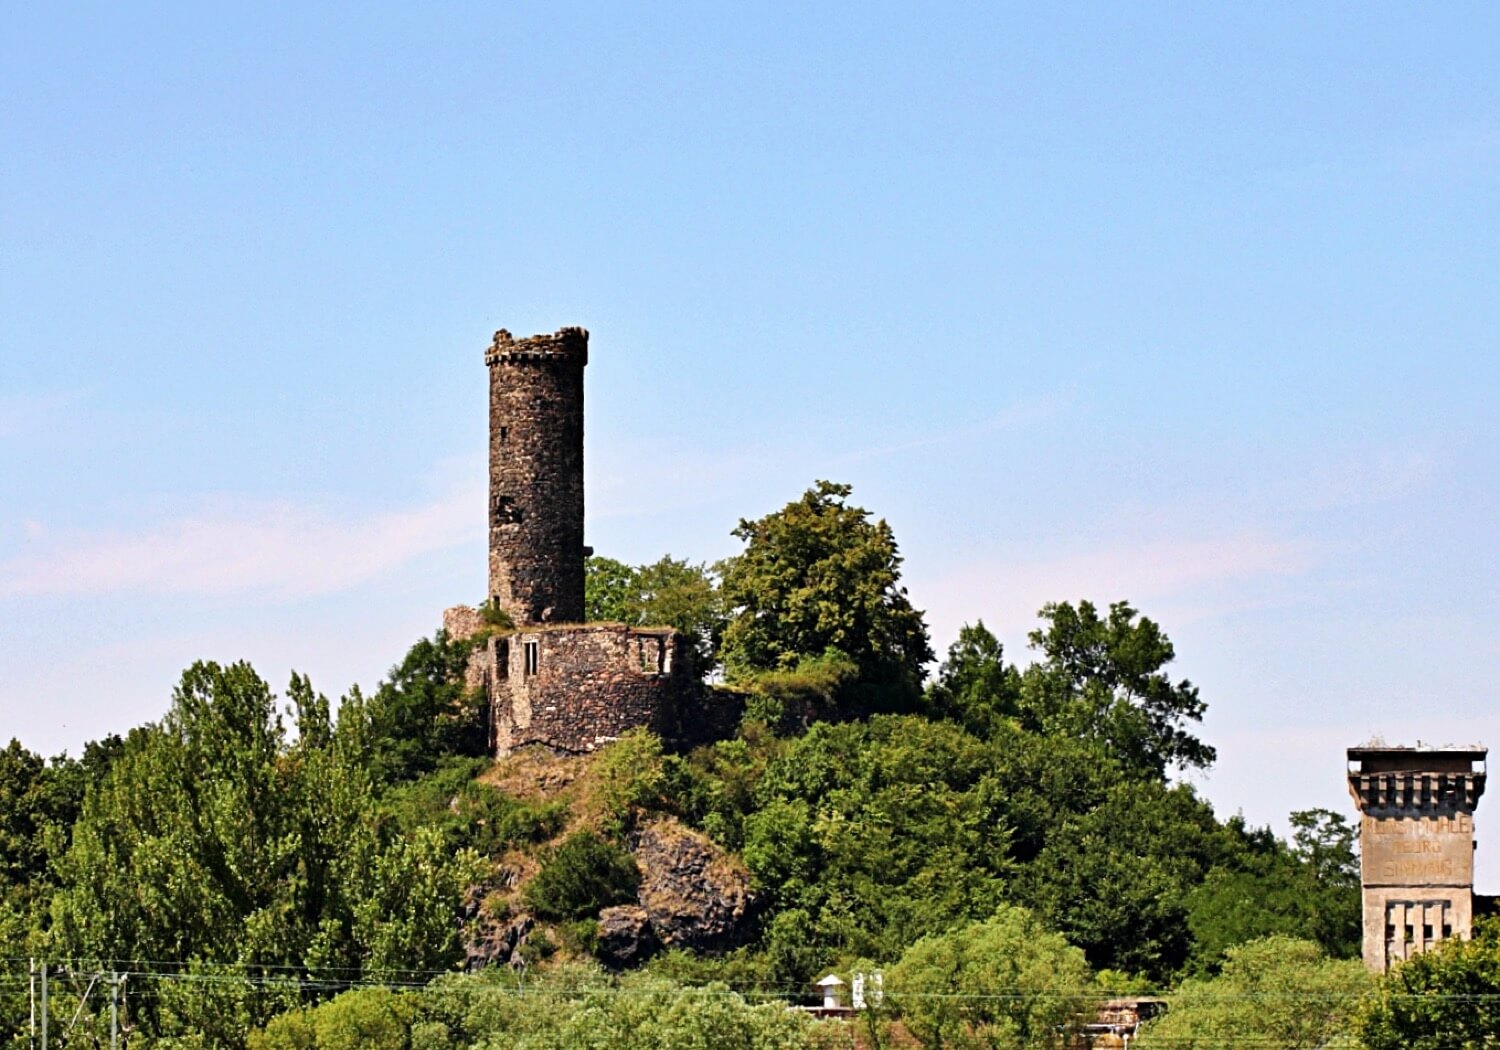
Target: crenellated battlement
571,343
1410,793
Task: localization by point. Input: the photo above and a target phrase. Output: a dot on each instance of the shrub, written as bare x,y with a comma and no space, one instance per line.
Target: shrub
579,877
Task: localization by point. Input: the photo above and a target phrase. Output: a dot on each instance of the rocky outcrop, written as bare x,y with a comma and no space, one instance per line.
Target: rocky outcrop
489,940
626,938
695,895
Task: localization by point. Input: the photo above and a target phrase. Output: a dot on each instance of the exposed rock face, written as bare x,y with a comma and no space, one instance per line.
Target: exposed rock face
489,941
696,896
626,938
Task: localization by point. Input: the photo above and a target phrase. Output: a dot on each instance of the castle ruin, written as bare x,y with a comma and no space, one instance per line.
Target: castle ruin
1416,840
536,475
548,677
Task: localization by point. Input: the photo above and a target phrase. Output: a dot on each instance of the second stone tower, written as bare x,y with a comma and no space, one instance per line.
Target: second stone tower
536,475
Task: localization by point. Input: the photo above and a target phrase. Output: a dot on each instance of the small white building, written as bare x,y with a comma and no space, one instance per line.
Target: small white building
833,987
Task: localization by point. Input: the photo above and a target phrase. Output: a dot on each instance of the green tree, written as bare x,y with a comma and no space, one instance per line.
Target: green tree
1325,844
179,852
365,1019
682,595
574,1006
608,587
220,839
880,831
1115,878
1276,991
1007,983
422,711
974,685
815,576
1258,885
583,874
25,812
1447,998
1102,678
669,592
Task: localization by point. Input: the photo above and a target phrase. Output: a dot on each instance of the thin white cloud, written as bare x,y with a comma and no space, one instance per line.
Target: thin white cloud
279,550
1194,571
1382,477
20,413
1018,416
652,478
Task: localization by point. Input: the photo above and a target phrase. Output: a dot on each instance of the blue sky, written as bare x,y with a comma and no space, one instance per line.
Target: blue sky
1194,306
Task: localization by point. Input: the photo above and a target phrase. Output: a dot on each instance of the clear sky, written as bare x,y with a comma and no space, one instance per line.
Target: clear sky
1191,305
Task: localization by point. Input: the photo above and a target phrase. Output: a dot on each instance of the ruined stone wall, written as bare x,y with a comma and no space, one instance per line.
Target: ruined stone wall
461,622
536,557
554,680
577,688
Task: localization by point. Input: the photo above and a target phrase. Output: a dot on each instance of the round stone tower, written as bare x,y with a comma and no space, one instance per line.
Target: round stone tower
536,475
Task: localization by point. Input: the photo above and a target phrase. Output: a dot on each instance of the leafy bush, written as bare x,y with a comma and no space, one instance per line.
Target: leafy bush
469,813
812,690
582,875
1446,997
1007,982
1276,991
573,1006
493,615
626,777
423,711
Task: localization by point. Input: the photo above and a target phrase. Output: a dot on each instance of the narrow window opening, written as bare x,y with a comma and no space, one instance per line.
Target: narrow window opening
504,435
506,511
532,656
1390,931
1427,931
1447,930
648,654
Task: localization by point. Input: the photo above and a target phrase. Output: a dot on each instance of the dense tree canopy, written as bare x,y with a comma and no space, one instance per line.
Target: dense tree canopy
1010,828
815,576
1007,983
1277,991
669,592
1102,677
575,1007
1444,999
218,837
1258,886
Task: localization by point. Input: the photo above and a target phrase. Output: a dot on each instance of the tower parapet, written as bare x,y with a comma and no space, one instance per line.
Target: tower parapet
567,342
536,550
1416,845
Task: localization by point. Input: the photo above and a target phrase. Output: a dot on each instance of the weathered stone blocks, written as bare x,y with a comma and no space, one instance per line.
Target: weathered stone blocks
1416,846
536,475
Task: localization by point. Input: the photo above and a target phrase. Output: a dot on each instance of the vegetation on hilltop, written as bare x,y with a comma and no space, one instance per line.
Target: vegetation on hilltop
1007,842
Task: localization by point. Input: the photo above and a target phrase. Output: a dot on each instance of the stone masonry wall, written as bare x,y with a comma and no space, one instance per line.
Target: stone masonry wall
577,688
554,680
536,555
1416,846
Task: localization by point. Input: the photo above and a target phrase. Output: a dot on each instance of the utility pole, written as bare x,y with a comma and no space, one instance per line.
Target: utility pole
44,1006
114,1011
31,997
